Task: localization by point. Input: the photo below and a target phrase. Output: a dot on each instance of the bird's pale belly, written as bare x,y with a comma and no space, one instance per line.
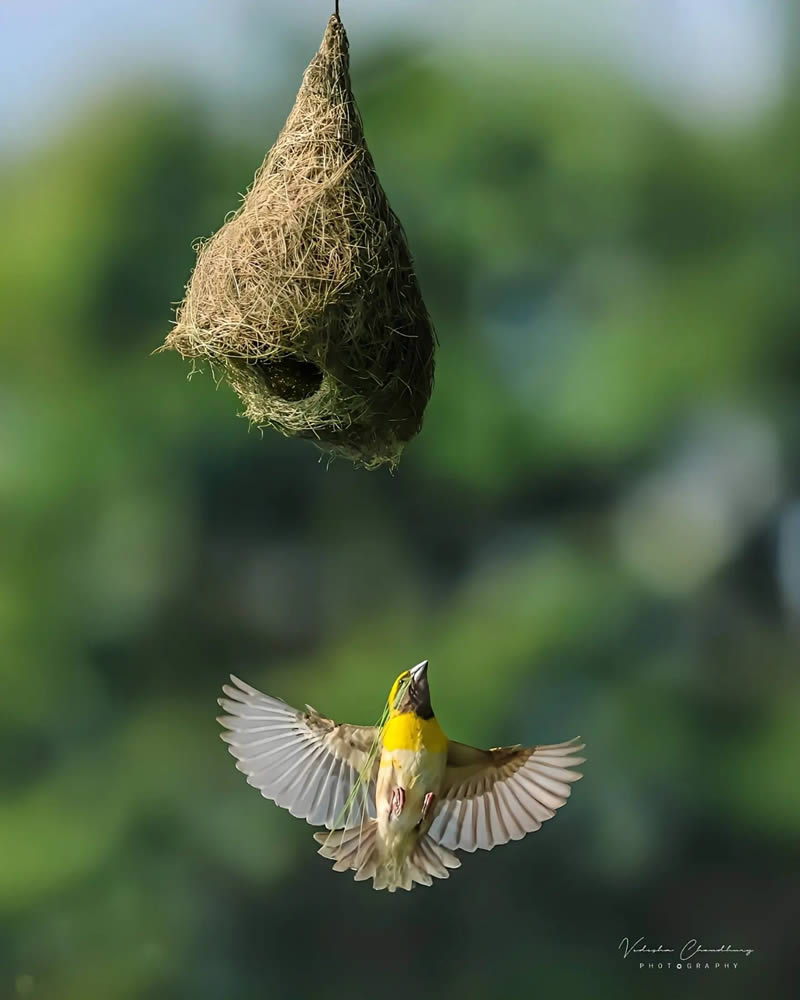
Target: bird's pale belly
406,776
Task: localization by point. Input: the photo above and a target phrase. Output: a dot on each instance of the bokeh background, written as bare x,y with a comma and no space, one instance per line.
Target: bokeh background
597,532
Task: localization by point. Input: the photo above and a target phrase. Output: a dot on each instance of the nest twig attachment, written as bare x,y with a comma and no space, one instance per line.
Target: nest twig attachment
306,299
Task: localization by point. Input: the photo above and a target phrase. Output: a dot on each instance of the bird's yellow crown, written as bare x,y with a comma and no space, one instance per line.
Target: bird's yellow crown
399,688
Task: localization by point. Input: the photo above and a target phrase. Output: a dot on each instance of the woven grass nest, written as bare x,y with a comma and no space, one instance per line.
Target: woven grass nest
306,299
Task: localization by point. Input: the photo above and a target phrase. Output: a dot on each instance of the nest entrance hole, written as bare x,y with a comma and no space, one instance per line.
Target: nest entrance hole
291,378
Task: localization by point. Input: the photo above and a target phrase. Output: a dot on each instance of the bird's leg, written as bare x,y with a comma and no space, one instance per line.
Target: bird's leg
427,805
397,802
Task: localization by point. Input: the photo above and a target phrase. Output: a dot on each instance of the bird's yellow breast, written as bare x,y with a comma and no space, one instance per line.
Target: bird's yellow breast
409,732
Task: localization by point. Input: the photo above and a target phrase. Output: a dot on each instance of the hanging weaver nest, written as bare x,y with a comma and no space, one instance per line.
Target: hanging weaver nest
306,299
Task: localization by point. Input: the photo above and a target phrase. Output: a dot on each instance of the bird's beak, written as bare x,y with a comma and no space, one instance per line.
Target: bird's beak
420,672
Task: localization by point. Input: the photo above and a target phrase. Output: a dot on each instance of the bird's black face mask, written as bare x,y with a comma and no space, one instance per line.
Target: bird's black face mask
417,697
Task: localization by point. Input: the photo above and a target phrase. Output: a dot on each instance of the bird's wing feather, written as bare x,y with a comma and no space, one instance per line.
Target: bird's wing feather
492,796
300,760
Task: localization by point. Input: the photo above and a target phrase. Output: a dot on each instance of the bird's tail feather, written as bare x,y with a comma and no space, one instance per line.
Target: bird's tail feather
357,849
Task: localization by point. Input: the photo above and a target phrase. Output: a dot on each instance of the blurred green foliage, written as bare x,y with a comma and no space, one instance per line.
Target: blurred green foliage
606,284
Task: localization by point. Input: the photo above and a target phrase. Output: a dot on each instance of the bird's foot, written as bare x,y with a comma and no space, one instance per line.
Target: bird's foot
427,805
397,802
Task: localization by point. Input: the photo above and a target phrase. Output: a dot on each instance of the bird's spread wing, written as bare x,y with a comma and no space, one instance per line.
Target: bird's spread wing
492,796
300,760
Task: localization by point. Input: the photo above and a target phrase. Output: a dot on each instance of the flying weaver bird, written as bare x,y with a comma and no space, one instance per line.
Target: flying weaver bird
397,798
